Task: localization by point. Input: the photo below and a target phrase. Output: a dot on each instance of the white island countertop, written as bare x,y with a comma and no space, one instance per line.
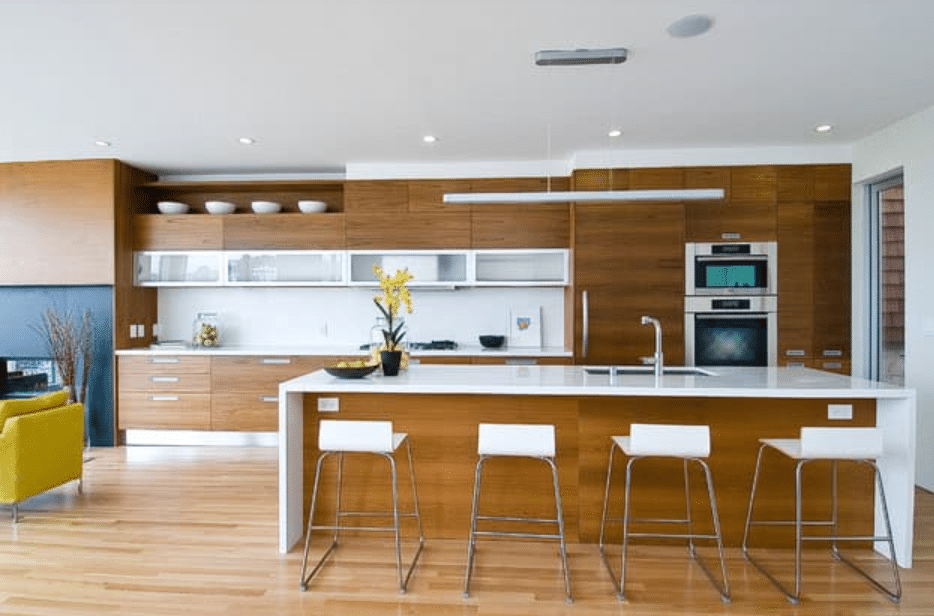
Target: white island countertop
462,350
895,414
575,381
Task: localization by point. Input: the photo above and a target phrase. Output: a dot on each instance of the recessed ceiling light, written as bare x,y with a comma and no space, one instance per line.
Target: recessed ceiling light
691,25
615,132
823,128
430,139
247,140
101,143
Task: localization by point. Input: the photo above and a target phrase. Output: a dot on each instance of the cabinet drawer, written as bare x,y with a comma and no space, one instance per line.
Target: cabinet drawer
172,365
179,411
523,361
259,373
167,383
250,411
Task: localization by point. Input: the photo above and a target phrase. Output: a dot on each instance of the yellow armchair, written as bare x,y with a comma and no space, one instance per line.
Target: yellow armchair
41,446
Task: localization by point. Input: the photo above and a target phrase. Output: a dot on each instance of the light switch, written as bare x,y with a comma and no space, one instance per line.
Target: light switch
141,330
329,405
839,411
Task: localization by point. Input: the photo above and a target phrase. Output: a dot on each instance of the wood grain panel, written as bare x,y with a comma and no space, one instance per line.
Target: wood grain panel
244,411
714,222
833,182
445,454
178,382
630,260
426,195
795,183
519,361
401,231
829,364
178,232
656,178
600,179
832,277
376,197
185,411
530,225
708,177
796,281
754,184
284,232
57,221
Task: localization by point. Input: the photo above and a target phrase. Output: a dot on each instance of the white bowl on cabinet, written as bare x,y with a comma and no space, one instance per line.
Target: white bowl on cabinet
220,207
312,207
265,207
172,207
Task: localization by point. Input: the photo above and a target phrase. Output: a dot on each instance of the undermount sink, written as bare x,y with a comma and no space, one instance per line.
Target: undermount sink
629,370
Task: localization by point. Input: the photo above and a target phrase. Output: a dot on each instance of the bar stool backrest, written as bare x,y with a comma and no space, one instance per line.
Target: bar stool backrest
856,443
669,440
354,435
537,440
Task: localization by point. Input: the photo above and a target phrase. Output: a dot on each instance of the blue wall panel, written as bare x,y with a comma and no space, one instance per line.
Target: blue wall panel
21,310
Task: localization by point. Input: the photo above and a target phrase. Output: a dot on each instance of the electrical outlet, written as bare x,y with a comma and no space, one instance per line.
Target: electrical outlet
839,411
133,331
141,330
329,405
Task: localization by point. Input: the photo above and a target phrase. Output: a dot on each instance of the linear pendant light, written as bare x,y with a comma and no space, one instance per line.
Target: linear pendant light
587,196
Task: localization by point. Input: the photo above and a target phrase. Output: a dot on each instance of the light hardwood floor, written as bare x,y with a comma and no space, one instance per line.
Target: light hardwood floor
193,531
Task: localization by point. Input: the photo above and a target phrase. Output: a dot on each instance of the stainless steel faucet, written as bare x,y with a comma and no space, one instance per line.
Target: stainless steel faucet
658,357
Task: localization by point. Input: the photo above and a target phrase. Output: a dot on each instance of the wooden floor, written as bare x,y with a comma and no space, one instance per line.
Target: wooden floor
193,531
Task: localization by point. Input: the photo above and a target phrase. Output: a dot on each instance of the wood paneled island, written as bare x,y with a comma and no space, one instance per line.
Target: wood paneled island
440,406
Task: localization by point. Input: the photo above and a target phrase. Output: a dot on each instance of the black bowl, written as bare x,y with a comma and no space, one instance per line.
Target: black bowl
492,342
351,372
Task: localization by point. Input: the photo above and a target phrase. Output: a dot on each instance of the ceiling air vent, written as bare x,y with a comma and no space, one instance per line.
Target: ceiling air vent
573,57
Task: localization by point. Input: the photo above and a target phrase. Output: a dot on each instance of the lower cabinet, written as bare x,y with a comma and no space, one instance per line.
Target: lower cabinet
200,392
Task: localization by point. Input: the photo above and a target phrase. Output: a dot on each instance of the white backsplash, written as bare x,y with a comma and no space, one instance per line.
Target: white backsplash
342,316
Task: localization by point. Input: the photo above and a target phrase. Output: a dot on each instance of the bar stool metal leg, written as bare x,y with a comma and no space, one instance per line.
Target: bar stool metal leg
472,541
311,514
687,503
603,520
560,518
723,588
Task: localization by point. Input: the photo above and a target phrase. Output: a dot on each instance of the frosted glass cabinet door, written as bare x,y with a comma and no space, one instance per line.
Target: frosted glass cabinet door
176,268
545,267
428,267
285,268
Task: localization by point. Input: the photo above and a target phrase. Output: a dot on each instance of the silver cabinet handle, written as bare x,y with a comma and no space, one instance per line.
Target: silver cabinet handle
269,398
277,361
794,352
833,365
164,379
164,398
165,360
832,353
521,361
585,324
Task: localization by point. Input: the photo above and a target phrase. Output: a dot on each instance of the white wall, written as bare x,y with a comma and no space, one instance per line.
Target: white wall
907,145
344,316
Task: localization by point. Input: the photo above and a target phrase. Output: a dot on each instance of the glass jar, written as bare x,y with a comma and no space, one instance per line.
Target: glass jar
376,333
206,330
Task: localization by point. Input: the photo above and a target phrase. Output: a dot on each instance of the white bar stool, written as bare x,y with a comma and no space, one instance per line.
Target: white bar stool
373,437
859,445
522,440
691,444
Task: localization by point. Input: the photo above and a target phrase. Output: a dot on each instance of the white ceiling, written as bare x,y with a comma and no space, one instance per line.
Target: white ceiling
173,84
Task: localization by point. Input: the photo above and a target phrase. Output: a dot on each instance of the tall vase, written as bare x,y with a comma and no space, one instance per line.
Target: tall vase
390,362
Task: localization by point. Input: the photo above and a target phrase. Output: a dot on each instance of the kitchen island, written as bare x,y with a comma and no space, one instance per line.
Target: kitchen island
439,406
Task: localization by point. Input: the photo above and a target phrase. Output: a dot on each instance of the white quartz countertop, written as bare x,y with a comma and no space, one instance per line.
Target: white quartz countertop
574,381
463,350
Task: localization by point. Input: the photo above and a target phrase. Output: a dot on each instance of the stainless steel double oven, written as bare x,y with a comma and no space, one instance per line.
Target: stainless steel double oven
731,304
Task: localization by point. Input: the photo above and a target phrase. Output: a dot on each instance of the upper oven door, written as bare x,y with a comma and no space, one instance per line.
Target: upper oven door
728,269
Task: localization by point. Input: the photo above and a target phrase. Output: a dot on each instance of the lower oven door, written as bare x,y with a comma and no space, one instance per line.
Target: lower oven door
730,339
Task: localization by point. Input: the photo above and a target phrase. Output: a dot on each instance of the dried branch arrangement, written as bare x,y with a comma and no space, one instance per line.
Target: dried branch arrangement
67,339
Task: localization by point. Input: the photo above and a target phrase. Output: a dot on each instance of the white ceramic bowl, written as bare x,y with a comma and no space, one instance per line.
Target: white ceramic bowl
266,207
311,207
220,207
172,207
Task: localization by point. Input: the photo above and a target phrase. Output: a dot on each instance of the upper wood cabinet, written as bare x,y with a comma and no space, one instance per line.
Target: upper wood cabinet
428,195
754,184
795,282
717,222
177,232
284,232
376,197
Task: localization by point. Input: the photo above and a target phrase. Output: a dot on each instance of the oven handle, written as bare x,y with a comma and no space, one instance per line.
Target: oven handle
739,257
731,315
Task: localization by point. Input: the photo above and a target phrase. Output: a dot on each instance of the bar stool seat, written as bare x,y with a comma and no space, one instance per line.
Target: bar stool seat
690,444
516,440
339,437
856,445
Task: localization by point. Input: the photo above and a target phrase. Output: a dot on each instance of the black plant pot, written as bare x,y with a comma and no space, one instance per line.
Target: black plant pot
390,361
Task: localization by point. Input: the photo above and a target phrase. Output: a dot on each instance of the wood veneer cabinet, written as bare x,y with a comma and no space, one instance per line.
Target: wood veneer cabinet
629,260
795,281
164,392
